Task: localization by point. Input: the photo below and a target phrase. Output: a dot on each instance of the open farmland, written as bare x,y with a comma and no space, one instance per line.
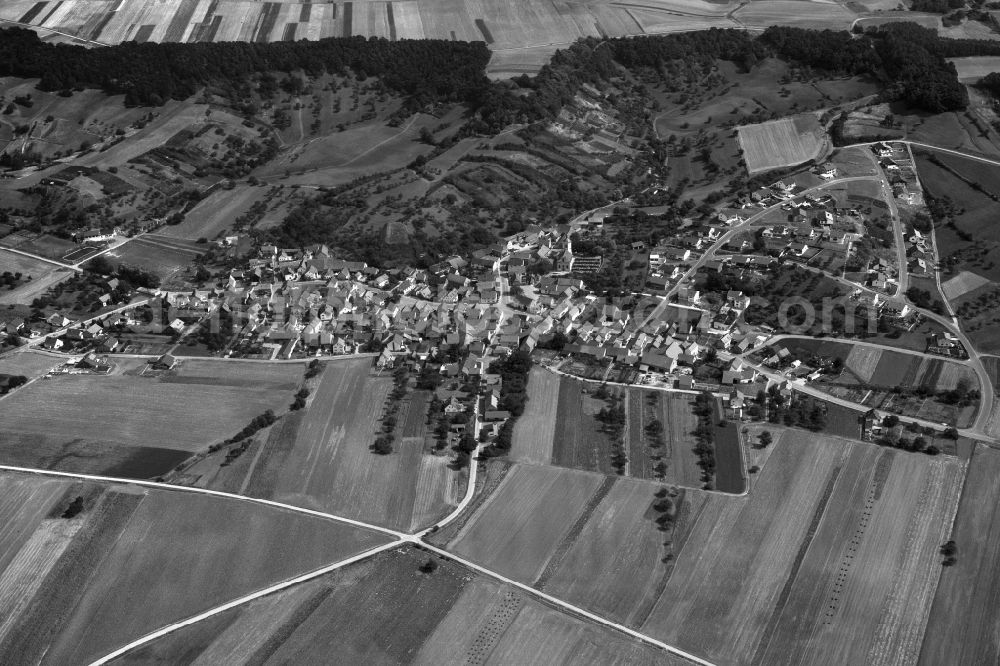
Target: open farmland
781,143
236,373
745,586
129,411
320,458
118,576
535,428
385,610
521,525
962,627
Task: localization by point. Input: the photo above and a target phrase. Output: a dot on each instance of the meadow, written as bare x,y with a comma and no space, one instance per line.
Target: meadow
127,540
162,256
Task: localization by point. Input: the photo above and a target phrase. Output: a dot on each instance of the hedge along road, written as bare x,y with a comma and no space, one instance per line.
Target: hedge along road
400,538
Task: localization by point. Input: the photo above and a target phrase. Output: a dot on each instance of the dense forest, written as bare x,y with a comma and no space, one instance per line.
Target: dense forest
150,74
910,58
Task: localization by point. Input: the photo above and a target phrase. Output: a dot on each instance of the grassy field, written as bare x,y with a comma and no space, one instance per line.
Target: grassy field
321,458
962,627
118,575
535,429
133,411
28,363
973,68
518,529
757,583
781,143
216,213
386,611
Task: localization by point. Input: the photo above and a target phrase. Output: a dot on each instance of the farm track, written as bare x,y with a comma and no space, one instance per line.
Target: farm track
800,555
574,532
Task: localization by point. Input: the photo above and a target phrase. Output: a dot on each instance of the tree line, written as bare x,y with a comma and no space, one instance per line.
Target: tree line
150,73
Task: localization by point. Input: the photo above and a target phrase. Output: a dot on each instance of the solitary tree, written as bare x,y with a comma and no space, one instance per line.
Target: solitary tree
765,439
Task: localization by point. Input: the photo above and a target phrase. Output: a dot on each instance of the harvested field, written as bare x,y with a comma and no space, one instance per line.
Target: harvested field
534,430
133,540
962,626
133,411
518,529
781,143
852,554
322,459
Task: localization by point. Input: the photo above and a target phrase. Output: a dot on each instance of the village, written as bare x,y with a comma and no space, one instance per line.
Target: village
707,298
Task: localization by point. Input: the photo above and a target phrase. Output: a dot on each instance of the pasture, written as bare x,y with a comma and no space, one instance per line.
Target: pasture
837,542
132,411
781,143
962,627
320,458
129,540
386,611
